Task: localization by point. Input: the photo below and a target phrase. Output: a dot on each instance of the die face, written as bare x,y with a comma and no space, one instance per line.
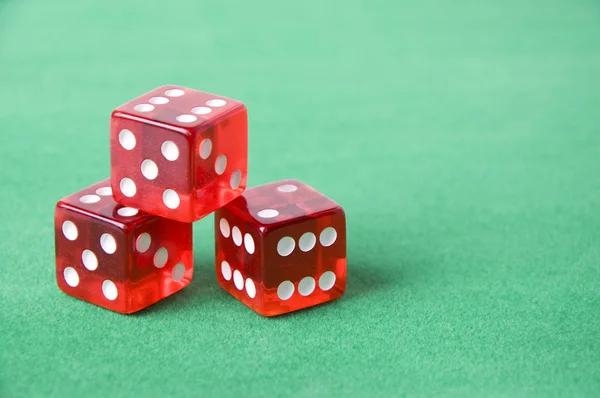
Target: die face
110,255
181,108
278,203
151,167
179,153
97,202
220,162
305,247
304,262
238,262
89,244
290,247
163,248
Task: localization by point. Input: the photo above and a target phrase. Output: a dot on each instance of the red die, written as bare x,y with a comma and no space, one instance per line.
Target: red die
281,247
178,153
118,257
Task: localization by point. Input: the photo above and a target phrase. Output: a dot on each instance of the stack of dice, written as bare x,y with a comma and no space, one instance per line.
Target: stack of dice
178,155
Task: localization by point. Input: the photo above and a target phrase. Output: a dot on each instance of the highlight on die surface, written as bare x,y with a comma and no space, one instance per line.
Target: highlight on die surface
179,153
118,257
281,247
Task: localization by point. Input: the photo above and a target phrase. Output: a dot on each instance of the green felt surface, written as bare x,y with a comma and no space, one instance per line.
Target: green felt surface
461,137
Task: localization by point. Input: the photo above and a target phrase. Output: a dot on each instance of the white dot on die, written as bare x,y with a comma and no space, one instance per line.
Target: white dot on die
287,188
169,150
71,276
171,199
186,118
250,288
327,280
307,241
89,259
104,191
267,213
201,110
238,280
149,169
175,92
69,230
205,148
215,103
226,270
249,243
285,290
128,187
161,257
306,286
127,139
143,107
285,246
235,180
89,199
110,290
108,243
158,100
220,164
328,236
178,272
224,227
142,244
237,236
127,211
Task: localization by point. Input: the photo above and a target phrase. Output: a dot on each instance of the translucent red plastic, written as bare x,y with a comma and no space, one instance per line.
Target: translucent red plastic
118,257
281,247
179,153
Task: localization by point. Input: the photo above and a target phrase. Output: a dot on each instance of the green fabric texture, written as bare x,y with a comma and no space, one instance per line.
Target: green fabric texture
461,137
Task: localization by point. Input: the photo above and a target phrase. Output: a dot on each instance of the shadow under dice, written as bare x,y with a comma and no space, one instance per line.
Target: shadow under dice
281,247
118,257
179,153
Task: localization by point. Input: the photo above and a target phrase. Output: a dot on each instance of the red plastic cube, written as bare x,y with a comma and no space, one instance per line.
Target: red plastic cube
118,257
179,153
281,247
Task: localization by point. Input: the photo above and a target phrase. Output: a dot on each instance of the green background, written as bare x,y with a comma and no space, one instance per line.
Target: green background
461,137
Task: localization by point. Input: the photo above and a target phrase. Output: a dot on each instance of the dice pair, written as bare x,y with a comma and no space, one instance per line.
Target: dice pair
178,155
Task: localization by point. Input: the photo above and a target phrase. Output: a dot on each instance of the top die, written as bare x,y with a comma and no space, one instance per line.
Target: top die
179,153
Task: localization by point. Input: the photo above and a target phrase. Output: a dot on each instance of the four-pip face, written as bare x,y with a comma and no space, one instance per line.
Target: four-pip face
281,247
179,153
